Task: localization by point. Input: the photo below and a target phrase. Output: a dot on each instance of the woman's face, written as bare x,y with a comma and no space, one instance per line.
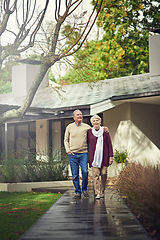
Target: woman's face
96,123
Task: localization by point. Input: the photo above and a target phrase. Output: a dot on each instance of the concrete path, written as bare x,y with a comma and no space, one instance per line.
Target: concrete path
88,219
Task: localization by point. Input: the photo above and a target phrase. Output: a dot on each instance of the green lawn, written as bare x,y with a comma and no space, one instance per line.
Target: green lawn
18,211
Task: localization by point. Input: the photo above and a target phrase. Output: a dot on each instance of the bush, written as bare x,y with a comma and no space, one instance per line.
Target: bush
121,157
140,184
23,167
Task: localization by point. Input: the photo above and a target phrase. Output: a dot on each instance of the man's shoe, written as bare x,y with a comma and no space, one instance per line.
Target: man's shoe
85,194
77,196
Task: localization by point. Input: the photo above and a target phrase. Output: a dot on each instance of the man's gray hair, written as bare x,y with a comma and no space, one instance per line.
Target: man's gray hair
95,117
76,111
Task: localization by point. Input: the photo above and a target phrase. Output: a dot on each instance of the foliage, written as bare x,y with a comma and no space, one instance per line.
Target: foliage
19,211
6,75
140,184
51,76
129,23
123,49
71,34
23,167
5,87
95,62
121,156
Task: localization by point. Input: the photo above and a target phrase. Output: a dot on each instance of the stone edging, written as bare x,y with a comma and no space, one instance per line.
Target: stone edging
28,186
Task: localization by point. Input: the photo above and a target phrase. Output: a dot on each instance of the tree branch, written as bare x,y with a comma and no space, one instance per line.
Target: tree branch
68,53
7,14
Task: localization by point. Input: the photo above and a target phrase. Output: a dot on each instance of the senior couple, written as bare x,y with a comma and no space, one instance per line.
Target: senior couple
99,150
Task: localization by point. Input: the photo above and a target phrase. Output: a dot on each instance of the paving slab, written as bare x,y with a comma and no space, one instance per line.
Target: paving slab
87,219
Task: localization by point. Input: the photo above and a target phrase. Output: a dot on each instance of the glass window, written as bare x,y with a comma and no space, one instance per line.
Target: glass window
10,137
3,139
1,146
32,136
22,137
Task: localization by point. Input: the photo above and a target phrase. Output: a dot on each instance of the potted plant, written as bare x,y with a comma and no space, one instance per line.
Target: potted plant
120,160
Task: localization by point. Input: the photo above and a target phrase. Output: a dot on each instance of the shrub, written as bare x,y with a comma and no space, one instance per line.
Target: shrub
140,184
23,167
121,156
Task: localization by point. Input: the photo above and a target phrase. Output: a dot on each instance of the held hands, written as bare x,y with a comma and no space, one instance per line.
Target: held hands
110,160
106,129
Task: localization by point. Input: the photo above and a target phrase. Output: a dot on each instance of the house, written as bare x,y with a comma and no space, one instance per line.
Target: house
129,106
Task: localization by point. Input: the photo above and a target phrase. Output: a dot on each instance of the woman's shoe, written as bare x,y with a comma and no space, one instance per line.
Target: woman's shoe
98,196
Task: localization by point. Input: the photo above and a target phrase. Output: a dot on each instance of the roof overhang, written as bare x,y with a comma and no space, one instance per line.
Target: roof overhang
34,114
102,106
147,98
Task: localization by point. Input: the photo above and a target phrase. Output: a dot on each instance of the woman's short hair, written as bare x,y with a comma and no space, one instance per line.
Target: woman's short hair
95,117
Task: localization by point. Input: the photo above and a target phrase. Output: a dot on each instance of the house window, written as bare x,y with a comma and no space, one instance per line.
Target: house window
10,137
1,139
25,137
18,136
22,137
32,136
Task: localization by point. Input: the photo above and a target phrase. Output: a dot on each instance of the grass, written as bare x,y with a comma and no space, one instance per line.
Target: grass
18,211
140,187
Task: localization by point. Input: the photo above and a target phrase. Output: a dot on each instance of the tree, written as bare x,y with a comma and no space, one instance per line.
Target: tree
124,49
54,54
95,62
129,23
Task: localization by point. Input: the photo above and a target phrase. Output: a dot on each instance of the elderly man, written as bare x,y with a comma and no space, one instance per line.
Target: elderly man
75,142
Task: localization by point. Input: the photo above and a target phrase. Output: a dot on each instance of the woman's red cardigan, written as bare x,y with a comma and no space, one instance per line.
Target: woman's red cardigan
107,147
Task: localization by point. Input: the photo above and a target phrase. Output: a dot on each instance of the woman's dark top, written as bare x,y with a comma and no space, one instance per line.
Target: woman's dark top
107,148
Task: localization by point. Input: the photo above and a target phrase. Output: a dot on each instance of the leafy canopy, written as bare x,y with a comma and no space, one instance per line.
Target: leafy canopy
123,49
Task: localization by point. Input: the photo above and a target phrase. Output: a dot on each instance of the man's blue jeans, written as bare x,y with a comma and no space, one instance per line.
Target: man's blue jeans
76,160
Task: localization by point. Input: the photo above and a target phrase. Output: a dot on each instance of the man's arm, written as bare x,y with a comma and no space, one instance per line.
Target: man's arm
66,140
110,149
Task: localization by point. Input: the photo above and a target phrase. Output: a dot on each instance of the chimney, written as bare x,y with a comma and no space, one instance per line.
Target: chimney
23,76
154,54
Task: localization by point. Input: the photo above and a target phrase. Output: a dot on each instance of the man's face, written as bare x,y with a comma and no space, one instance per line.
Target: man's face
78,116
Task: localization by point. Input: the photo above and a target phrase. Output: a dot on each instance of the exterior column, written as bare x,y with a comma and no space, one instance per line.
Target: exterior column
42,140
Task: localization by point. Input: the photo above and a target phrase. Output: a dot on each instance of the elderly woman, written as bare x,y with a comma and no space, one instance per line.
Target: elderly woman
100,154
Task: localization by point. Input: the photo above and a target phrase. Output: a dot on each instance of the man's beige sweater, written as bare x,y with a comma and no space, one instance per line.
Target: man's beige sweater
75,138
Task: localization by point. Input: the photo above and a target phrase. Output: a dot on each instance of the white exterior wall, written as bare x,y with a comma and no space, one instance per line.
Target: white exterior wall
146,132
154,55
22,78
116,119
135,127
